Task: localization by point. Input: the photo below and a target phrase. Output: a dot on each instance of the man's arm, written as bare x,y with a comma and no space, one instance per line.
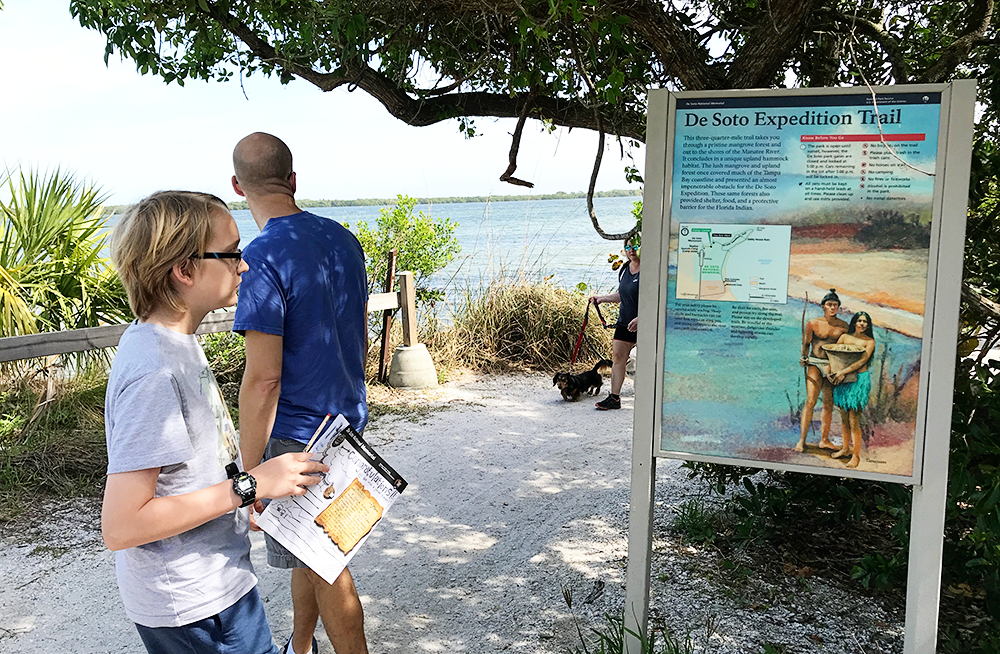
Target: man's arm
807,337
259,394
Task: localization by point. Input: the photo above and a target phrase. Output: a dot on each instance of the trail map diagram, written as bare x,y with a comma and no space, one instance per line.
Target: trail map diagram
733,263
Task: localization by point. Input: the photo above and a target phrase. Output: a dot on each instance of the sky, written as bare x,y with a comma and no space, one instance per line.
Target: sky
132,134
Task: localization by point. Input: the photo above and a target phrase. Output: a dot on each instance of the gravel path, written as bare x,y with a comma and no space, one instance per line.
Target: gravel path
513,495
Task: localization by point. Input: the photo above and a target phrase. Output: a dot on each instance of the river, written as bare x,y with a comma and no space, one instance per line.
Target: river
531,240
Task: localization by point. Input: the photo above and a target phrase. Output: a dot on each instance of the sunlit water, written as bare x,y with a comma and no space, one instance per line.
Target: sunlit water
530,240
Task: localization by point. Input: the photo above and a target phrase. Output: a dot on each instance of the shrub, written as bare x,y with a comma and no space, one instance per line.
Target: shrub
226,354
56,451
697,522
972,523
510,326
423,244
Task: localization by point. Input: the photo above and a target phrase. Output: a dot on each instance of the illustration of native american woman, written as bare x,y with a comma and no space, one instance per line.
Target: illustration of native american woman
852,397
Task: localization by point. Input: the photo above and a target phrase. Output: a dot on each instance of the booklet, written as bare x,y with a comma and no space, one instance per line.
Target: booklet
327,526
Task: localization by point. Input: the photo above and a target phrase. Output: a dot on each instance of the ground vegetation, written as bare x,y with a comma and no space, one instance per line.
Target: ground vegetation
512,325
51,447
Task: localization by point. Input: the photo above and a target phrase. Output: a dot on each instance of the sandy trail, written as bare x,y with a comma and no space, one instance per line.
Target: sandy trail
513,494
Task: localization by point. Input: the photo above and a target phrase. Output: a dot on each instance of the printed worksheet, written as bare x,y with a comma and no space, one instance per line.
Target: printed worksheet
328,525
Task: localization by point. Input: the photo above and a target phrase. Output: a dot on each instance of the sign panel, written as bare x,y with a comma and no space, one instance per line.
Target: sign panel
799,240
757,204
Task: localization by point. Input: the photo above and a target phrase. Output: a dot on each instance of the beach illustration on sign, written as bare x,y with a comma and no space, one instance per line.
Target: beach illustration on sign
782,408
797,266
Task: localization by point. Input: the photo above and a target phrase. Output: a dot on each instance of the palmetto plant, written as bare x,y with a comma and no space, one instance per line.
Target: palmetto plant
53,275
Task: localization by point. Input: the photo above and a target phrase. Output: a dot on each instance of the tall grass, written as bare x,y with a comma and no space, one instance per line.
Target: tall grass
53,446
507,327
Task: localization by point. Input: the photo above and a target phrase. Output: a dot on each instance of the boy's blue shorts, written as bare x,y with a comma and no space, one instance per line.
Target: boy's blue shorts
240,629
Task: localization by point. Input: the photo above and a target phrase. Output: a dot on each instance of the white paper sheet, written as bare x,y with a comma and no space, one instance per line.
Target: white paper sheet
292,520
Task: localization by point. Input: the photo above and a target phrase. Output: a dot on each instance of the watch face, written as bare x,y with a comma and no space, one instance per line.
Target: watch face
244,485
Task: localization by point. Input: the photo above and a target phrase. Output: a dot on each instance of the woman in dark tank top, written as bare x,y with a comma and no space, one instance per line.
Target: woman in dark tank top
627,325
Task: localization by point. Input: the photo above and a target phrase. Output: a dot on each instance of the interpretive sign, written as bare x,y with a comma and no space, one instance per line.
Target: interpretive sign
803,312
782,206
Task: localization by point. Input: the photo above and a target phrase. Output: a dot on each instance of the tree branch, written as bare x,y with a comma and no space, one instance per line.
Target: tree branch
984,305
590,193
515,145
958,51
266,52
901,72
682,57
770,42
421,112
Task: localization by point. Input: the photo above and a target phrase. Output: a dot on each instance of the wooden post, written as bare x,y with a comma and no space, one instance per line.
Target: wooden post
383,360
408,306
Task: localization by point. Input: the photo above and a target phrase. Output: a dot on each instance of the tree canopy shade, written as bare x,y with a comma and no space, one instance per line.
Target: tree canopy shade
572,63
569,63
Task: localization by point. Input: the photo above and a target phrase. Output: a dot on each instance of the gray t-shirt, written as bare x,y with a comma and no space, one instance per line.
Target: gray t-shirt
163,410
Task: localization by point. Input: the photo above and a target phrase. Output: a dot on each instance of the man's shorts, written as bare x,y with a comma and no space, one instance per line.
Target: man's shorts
277,555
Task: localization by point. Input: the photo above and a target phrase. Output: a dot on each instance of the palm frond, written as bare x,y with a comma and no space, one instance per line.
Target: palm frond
54,272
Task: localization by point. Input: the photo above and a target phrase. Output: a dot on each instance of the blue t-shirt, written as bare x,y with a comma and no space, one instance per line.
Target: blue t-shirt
307,284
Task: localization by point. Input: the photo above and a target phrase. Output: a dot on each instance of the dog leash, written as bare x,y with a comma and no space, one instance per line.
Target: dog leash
583,331
604,323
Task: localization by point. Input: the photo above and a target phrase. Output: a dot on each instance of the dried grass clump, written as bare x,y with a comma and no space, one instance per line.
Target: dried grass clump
514,326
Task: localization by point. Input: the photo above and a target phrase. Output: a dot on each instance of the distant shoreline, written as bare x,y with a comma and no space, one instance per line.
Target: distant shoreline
113,209
385,202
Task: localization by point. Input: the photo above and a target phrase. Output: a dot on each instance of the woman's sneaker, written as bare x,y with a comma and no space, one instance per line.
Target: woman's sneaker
610,402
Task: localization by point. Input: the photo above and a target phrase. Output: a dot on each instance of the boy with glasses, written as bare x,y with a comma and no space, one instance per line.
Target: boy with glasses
174,504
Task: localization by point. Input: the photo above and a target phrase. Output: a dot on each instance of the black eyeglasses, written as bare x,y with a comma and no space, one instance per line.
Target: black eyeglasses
238,255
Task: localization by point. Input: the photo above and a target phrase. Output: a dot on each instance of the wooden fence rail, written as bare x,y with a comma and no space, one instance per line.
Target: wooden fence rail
15,348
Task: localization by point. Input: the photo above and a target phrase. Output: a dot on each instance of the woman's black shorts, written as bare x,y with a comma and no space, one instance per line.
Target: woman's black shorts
623,334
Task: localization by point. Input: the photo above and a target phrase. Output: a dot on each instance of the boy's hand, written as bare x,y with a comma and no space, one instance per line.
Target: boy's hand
288,474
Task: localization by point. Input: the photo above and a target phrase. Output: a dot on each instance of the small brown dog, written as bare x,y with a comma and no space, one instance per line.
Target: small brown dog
573,386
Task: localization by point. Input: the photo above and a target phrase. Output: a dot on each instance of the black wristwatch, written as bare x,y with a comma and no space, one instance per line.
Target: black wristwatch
244,485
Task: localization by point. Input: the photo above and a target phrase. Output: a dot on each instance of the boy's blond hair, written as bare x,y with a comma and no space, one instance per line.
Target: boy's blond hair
162,230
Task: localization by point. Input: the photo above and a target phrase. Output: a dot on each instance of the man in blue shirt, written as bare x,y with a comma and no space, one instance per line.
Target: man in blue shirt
303,310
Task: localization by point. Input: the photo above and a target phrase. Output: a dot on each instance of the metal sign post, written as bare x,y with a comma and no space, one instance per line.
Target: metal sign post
923,583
